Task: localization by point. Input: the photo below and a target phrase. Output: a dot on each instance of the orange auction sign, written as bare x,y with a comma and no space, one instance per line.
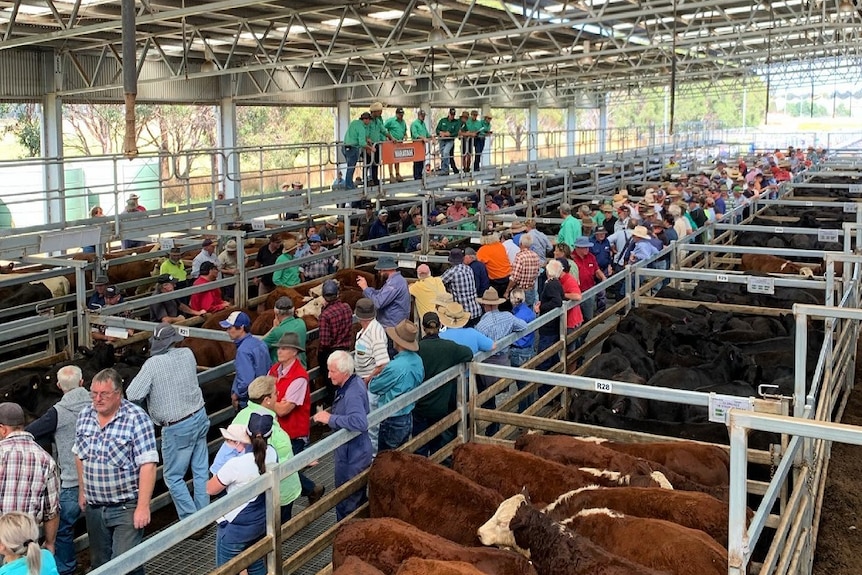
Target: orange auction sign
397,152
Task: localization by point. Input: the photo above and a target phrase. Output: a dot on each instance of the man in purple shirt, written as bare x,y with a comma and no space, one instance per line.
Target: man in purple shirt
393,299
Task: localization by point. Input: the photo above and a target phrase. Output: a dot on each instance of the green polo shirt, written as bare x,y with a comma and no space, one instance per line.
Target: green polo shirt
377,130
418,129
447,125
474,125
293,324
484,128
357,134
396,128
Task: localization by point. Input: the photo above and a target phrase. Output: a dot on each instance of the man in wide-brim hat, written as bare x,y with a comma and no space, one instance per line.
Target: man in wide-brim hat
404,373
490,297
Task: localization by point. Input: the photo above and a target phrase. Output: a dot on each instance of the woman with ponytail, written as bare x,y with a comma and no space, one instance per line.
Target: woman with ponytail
20,549
243,526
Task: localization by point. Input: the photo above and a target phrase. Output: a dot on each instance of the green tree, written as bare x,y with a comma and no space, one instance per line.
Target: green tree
27,126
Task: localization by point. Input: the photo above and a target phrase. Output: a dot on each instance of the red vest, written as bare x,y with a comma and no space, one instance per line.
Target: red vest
297,423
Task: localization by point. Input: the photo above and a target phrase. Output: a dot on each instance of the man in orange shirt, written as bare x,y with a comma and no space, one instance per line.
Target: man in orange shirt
211,300
493,255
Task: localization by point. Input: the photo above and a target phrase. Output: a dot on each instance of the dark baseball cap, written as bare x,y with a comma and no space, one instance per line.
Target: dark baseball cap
111,291
399,110
365,116
452,110
11,414
207,242
167,279
431,319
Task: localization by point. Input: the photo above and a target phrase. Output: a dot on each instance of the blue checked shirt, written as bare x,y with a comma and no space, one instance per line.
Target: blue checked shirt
461,283
498,324
112,456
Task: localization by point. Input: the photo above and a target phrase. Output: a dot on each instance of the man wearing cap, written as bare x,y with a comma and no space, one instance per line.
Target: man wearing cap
319,267
173,266
293,403
570,229
349,411
457,210
461,283
209,301
116,458
601,249
30,479
379,229
437,356
96,300
227,265
252,356
447,129
397,128
168,381
329,232
392,300
427,290
207,254
285,321
57,425
287,276
334,328
470,125
377,134
419,131
589,274
398,377
267,256
355,141
482,132
370,354
168,311
113,296
365,220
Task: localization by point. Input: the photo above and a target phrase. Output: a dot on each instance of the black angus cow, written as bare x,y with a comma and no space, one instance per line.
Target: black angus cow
630,347
645,332
730,365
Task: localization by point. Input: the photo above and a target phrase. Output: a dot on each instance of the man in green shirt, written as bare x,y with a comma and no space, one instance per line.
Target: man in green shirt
570,230
419,131
173,266
287,277
397,128
481,133
355,140
469,125
376,134
285,321
447,131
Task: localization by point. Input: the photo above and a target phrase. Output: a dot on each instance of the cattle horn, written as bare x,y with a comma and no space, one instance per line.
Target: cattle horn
806,272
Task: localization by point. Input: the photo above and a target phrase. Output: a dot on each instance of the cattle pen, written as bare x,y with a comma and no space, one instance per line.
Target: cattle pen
785,479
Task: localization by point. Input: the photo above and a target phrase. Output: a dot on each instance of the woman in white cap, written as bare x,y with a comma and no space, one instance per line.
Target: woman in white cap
241,527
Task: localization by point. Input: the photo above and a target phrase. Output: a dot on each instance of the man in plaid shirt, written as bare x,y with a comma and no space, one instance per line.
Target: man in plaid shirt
29,477
335,329
525,271
461,283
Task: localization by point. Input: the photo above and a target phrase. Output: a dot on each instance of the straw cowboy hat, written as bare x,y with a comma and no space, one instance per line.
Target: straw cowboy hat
453,314
490,297
404,334
640,232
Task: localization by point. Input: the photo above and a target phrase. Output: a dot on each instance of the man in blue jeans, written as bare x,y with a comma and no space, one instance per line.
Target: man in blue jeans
523,349
58,424
168,381
400,375
116,458
355,140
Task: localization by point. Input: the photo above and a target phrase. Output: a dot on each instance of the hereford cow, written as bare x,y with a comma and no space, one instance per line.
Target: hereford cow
657,544
766,263
508,472
705,464
420,492
686,508
386,543
553,549
417,566
355,566
574,453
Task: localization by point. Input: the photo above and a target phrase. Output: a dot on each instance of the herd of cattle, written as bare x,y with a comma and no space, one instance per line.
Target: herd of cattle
553,504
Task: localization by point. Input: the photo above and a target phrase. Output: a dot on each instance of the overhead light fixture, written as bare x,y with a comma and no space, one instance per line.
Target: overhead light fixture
846,7
208,66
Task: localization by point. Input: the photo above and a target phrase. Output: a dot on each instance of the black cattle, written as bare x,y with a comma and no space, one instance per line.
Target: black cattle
23,294
730,365
602,366
646,332
673,293
23,386
629,347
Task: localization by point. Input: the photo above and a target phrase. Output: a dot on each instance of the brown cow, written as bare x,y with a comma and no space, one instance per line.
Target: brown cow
686,508
508,472
385,543
570,451
766,263
355,566
417,566
421,492
705,464
553,549
654,543
209,353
